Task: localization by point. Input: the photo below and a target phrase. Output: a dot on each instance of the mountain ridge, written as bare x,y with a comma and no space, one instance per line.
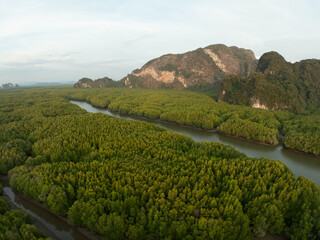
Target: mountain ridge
268,83
200,68
98,83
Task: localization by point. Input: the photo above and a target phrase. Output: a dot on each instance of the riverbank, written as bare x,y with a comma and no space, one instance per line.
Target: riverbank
149,119
249,140
4,178
86,232
300,152
213,130
60,222
301,164
272,236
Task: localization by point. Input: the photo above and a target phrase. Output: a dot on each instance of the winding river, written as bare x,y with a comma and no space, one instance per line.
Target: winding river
57,228
300,164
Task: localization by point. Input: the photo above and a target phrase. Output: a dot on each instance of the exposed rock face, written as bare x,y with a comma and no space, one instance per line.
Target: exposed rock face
201,68
277,84
84,83
99,83
256,104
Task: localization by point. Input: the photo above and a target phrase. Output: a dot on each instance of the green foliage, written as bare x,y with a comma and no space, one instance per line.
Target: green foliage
250,130
131,179
13,153
277,85
187,108
303,133
169,67
14,224
4,206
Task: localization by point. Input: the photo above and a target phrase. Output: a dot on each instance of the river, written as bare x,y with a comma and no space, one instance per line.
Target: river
57,228
48,223
300,164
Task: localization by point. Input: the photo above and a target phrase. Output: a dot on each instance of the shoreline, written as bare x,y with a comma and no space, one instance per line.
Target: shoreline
150,119
251,140
214,130
84,231
300,152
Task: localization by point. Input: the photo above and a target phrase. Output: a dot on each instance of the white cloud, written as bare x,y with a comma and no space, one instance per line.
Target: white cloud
114,37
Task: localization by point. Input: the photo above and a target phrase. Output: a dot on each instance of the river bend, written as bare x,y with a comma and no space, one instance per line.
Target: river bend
300,164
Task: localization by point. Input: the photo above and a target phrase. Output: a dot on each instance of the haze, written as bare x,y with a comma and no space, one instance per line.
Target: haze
43,41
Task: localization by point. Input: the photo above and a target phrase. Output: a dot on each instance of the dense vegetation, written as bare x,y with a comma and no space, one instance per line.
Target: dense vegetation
277,84
303,133
14,224
130,179
249,130
201,111
188,108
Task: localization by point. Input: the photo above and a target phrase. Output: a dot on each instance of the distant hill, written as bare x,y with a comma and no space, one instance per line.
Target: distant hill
270,83
28,84
276,84
99,83
10,85
201,68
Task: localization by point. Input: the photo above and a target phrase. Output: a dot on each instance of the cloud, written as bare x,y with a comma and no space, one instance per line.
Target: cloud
20,60
139,37
34,63
101,63
67,39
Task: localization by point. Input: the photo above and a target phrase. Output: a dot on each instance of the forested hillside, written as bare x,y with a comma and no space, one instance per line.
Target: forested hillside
98,83
130,179
277,84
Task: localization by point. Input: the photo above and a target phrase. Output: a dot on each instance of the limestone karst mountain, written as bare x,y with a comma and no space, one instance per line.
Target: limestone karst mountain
201,68
99,83
277,84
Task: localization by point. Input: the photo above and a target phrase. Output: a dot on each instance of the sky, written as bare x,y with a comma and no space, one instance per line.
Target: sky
65,40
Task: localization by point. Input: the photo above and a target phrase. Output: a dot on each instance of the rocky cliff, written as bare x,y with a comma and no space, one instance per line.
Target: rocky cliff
201,68
277,84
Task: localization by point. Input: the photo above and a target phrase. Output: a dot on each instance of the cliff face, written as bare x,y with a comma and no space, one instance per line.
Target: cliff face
99,83
84,83
201,68
277,84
